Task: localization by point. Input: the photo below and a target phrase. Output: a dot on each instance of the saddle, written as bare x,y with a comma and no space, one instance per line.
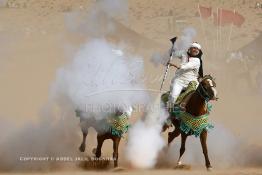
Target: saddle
184,96
185,100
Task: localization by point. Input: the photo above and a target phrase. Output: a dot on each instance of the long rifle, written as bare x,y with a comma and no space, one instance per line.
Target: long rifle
173,40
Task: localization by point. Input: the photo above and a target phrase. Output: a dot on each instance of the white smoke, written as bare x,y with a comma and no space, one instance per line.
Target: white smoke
100,78
183,42
56,133
186,39
100,74
145,140
50,136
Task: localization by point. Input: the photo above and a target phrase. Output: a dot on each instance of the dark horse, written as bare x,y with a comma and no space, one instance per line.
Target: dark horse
196,105
103,133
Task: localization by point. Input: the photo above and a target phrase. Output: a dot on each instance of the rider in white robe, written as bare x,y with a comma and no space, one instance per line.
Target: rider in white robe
187,71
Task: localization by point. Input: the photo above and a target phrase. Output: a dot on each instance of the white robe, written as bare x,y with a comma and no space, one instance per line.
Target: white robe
188,72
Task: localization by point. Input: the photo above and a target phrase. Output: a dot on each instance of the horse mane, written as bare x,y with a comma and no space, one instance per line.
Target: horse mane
207,77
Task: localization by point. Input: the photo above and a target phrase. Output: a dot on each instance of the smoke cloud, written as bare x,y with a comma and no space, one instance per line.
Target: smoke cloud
47,138
145,140
102,76
183,42
99,78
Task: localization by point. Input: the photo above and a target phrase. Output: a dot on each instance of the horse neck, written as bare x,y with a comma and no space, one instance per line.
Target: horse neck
196,106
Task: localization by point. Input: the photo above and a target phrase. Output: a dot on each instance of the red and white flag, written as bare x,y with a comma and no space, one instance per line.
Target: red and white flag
205,12
223,17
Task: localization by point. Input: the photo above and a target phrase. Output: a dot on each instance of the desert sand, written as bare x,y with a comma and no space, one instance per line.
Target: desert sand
39,36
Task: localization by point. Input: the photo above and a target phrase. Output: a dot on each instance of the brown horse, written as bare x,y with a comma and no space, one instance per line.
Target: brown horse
196,106
103,133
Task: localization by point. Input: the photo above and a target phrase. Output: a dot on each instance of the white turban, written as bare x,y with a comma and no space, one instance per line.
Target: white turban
196,45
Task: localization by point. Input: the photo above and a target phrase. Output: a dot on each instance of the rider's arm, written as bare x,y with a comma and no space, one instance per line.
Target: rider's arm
193,63
179,54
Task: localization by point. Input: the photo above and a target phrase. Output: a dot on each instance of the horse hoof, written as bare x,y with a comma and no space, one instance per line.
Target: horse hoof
179,163
118,169
209,168
182,167
82,148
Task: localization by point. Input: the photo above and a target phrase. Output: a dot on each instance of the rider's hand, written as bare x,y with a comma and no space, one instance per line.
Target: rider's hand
174,65
170,64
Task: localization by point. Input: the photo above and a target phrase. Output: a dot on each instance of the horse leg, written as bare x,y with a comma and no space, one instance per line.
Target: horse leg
182,148
165,127
82,147
203,139
173,135
116,142
100,141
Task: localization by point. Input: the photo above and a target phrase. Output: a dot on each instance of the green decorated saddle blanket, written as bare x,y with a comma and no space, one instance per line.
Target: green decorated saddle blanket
118,124
189,124
193,125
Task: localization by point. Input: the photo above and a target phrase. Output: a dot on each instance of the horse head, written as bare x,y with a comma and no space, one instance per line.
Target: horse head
207,88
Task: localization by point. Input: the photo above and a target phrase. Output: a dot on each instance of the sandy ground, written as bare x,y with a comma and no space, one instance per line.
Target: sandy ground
36,38
237,171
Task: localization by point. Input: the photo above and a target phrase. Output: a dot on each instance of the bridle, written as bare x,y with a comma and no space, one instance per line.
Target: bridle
202,91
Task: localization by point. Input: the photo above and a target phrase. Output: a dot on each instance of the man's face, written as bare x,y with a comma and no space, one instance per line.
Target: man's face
194,51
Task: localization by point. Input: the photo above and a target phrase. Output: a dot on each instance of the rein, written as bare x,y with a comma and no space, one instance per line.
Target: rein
203,93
